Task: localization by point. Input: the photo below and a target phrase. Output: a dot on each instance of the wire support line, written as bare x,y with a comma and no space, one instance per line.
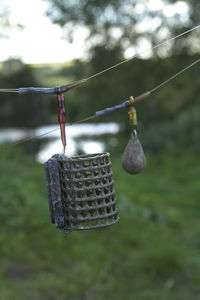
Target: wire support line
82,120
9,90
80,82
30,139
33,138
112,109
174,76
142,52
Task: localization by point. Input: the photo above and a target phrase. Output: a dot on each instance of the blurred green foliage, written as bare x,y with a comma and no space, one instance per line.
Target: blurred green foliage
153,253
122,24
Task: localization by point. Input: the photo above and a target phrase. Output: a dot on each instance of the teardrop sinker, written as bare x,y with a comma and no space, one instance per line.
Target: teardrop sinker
133,159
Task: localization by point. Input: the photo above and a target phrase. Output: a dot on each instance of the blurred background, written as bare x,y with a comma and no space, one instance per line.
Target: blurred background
154,252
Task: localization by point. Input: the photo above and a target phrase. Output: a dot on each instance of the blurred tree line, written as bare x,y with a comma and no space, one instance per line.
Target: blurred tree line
114,26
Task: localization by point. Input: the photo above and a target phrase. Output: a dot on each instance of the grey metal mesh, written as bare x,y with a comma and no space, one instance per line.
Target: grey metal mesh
87,192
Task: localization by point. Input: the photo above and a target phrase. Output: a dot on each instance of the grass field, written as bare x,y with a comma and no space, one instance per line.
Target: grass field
153,253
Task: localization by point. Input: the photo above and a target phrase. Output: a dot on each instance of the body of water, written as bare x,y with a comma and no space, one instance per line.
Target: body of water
72,134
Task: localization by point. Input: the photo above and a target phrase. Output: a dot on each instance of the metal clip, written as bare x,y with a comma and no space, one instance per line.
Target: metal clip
132,113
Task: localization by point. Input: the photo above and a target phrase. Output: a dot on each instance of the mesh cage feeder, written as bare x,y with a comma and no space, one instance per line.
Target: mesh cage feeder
81,192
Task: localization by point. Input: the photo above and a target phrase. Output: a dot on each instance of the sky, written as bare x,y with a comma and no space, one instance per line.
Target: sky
41,41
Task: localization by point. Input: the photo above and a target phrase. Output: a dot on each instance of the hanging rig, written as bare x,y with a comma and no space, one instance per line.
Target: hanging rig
80,188
60,90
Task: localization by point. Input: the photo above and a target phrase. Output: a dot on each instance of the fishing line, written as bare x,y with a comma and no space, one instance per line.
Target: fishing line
140,53
30,139
52,90
9,90
108,110
124,104
174,76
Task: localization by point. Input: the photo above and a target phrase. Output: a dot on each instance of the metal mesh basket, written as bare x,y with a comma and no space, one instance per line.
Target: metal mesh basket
83,196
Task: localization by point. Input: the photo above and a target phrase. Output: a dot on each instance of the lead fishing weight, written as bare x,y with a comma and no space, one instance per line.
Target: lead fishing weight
133,159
